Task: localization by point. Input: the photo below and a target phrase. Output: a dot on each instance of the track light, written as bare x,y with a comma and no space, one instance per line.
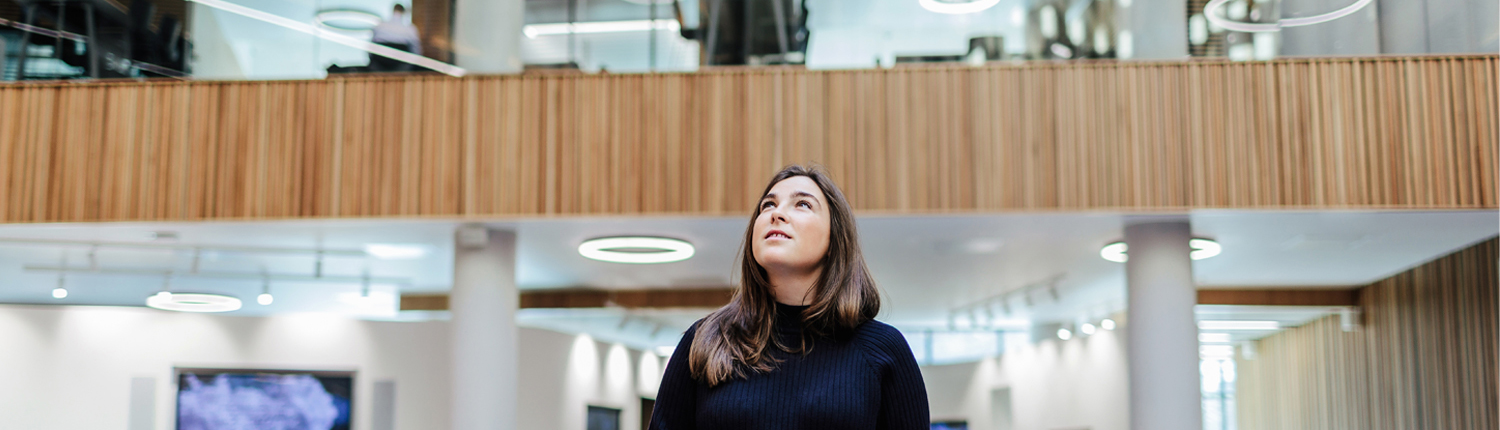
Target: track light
1107,324
1064,333
265,290
59,292
1086,328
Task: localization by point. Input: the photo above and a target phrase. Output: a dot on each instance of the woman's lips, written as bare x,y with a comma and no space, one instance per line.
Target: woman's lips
777,234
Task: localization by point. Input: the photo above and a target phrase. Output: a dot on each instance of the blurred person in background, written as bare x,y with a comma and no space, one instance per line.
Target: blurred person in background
395,33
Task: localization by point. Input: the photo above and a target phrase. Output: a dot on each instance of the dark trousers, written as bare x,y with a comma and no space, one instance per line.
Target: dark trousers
382,64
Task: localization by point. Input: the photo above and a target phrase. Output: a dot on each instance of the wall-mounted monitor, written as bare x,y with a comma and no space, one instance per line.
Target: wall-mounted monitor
261,399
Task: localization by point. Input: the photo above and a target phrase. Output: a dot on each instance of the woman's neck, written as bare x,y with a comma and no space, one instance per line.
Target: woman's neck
792,288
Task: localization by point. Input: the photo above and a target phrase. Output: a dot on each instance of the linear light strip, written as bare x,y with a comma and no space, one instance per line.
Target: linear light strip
1238,325
561,28
363,45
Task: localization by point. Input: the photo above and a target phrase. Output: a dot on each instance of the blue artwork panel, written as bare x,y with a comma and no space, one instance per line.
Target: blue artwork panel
263,401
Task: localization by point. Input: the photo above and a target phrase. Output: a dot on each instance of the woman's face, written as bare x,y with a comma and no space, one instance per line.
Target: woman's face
791,232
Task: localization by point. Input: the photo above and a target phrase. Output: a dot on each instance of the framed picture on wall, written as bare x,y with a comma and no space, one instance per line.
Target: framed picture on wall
253,399
602,418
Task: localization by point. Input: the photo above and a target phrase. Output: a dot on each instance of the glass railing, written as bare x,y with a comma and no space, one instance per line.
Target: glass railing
314,39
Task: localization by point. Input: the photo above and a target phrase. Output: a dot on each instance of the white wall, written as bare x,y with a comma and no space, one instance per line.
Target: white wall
67,368
1054,384
70,367
561,374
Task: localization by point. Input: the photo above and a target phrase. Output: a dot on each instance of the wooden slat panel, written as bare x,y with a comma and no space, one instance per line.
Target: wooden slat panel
644,298
1279,297
1425,357
1402,133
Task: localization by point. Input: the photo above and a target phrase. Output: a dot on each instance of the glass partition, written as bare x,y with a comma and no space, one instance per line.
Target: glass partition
312,39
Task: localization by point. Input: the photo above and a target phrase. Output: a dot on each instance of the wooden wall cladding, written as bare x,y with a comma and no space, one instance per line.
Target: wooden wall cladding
1418,133
1425,357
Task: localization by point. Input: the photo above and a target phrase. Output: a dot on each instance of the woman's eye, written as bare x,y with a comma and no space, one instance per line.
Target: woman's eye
766,204
805,204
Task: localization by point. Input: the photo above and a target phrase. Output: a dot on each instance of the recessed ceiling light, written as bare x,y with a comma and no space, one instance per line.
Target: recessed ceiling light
636,249
1213,337
59,293
193,302
390,251
1064,334
1107,324
1201,249
1086,328
1238,325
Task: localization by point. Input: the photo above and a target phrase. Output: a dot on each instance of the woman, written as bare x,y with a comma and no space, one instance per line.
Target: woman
797,347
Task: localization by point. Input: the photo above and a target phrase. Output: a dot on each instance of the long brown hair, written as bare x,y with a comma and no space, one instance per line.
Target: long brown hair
738,337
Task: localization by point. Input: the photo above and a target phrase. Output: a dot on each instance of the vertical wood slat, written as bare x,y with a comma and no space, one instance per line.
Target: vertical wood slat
1424,358
1383,132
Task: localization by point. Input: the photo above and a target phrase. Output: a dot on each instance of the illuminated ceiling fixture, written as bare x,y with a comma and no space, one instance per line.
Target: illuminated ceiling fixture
636,249
1107,324
1087,328
1210,11
1202,248
1213,337
334,36
560,28
1238,325
1064,334
265,292
386,251
957,7
60,292
193,302
347,20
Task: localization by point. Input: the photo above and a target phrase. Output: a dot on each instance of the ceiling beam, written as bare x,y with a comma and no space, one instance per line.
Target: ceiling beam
708,297
1280,297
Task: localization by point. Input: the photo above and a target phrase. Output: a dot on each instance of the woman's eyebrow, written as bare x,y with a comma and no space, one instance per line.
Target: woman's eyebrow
809,195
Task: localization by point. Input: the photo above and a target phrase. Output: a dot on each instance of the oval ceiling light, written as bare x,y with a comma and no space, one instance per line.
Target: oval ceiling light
1113,252
636,249
957,7
1210,9
193,302
347,20
1202,248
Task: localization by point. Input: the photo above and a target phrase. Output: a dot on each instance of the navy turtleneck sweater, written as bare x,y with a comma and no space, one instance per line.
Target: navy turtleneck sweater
866,379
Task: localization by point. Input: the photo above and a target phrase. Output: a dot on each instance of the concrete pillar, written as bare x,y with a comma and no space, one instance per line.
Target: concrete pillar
487,35
483,303
1162,334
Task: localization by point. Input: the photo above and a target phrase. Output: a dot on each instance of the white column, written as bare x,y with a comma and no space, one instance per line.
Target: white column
487,35
1163,337
483,304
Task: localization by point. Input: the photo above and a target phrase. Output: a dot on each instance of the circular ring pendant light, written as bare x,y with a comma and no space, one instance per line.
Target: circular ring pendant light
347,20
193,302
957,7
636,249
1201,249
1253,27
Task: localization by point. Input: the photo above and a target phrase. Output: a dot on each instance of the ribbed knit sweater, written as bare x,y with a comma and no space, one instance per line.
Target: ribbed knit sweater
866,379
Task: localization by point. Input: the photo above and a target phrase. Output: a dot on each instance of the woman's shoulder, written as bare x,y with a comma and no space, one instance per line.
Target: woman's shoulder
881,341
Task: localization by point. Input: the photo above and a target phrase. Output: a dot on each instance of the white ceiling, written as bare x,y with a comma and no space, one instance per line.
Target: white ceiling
923,263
